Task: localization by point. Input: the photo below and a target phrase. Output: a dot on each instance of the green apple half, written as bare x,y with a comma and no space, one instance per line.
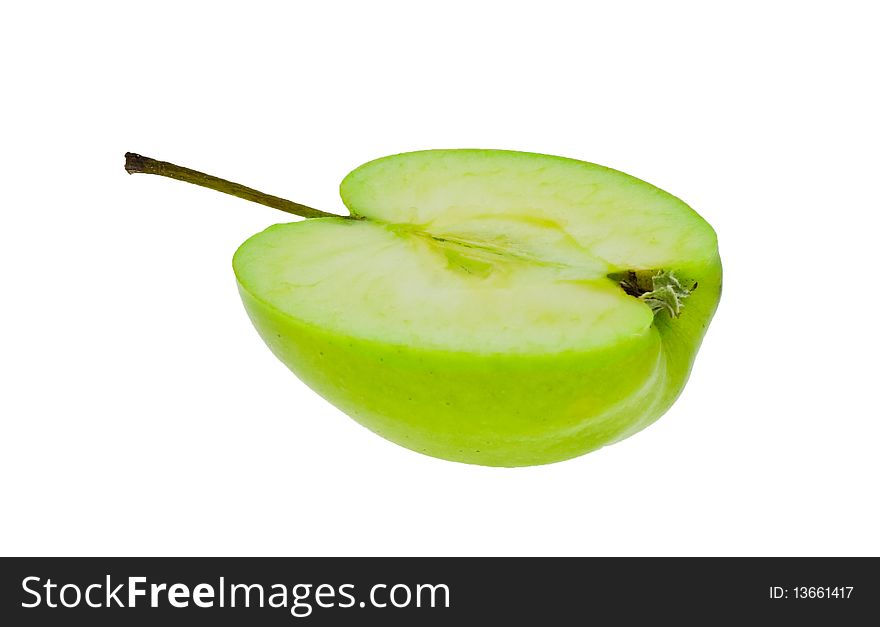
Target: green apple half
486,306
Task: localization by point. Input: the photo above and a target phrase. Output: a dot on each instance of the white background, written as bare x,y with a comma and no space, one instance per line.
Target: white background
141,413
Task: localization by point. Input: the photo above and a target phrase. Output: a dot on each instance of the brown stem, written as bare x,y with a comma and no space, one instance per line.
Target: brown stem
135,163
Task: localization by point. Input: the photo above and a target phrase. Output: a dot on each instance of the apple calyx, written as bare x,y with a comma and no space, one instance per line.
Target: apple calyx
661,290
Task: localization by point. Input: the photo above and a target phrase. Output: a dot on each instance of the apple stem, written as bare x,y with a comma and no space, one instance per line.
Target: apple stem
138,164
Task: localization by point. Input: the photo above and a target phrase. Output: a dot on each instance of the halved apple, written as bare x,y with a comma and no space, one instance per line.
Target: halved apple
489,307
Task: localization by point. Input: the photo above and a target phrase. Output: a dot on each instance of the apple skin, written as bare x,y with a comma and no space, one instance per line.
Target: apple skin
499,409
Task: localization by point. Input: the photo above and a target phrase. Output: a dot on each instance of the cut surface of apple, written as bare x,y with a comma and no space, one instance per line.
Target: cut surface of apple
489,306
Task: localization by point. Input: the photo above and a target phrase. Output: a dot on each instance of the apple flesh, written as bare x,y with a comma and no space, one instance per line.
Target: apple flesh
489,307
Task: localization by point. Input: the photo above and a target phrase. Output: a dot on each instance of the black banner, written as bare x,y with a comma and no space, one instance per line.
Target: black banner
429,591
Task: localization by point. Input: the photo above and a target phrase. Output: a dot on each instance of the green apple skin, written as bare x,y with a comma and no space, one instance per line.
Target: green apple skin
497,409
